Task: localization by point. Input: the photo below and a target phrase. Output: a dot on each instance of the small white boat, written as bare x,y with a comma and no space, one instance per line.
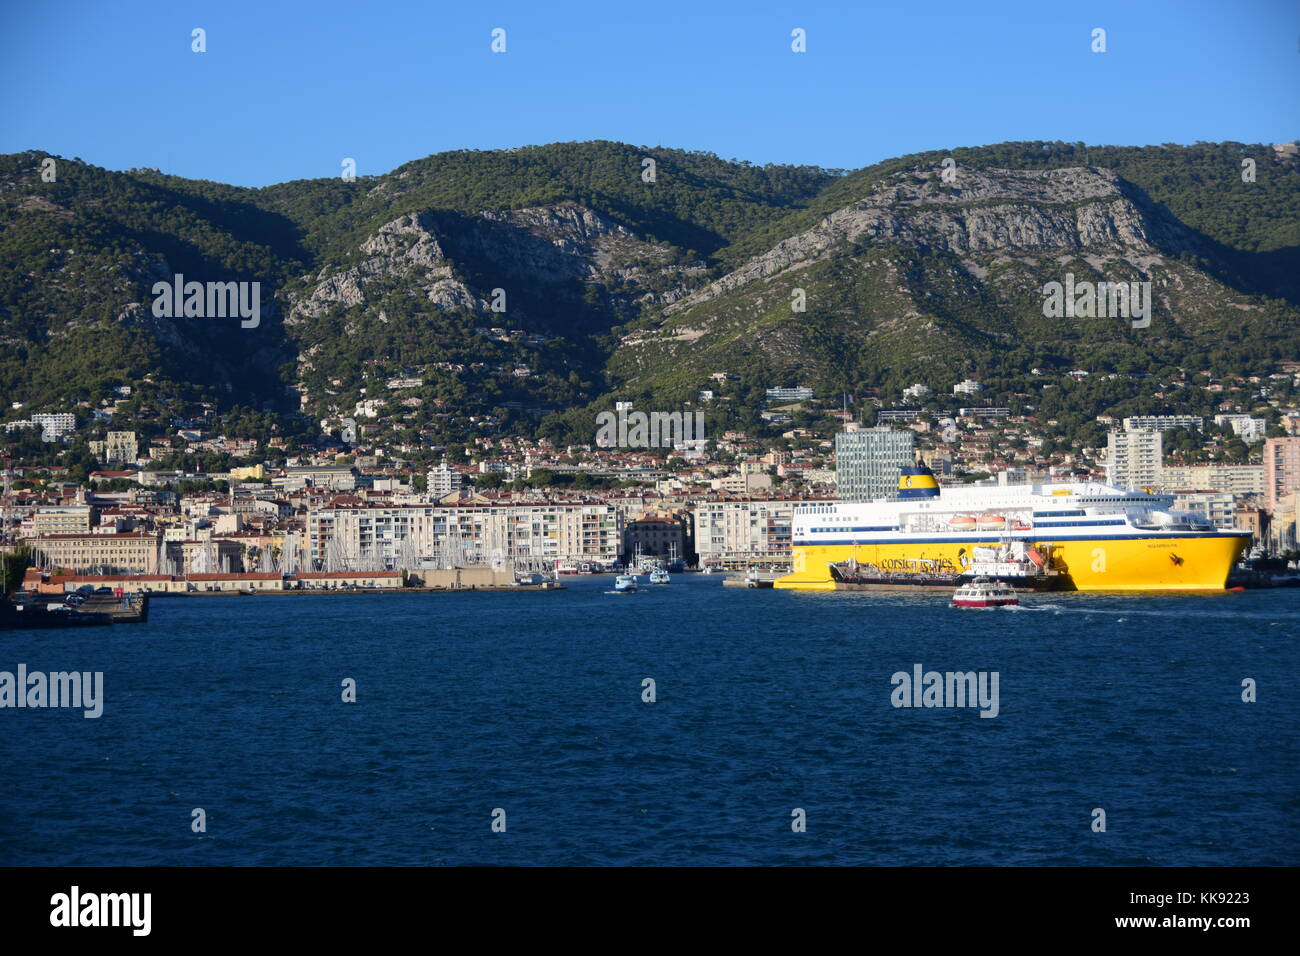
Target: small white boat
983,592
625,583
708,569
659,576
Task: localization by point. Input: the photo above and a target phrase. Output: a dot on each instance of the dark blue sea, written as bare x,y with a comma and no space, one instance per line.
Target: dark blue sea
767,701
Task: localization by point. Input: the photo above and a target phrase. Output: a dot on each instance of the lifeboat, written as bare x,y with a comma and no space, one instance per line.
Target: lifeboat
961,523
992,522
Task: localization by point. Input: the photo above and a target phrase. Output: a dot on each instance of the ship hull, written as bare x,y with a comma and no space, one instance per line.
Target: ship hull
1182,562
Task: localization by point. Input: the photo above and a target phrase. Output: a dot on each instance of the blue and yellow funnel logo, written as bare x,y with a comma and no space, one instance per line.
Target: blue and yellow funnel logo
917,481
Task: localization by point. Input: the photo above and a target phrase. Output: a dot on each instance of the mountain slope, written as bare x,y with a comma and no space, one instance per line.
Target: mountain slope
518,283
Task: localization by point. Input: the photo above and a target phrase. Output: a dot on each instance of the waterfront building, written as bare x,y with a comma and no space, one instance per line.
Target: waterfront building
658,536
743,532
346,535
132,552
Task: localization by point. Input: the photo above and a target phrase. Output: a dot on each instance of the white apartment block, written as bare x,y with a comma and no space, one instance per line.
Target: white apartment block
1163,423
739,532
53,425
1243,426
917,392
1134,458
442,481
470,533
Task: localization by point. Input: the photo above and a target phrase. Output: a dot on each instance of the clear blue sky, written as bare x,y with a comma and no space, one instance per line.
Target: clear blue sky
287,89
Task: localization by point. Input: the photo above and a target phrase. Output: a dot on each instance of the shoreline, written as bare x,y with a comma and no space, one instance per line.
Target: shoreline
352,591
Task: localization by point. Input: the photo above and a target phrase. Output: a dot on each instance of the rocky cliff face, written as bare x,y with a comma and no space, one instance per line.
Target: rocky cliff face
984,213
548,245
405,249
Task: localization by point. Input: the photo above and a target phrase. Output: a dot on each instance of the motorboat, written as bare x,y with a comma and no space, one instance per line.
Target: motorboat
984,592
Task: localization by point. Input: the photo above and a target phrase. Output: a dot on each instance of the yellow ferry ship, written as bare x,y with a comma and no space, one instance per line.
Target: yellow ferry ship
1095,537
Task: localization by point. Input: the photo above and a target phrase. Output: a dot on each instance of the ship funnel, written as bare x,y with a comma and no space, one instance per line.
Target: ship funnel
917,481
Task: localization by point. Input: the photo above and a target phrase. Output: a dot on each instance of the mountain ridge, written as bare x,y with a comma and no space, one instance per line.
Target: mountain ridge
627,288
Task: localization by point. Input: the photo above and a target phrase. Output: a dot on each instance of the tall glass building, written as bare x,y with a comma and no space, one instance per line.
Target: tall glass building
868,461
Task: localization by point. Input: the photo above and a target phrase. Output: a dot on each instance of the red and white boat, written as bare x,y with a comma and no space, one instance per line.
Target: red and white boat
982,592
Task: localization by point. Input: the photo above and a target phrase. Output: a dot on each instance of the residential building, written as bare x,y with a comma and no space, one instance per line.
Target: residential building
118,447
1237,479
473,532
889,415
1134,458
1243,426
442,481
1163,423
53,425
1281,469
917,392
743,532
